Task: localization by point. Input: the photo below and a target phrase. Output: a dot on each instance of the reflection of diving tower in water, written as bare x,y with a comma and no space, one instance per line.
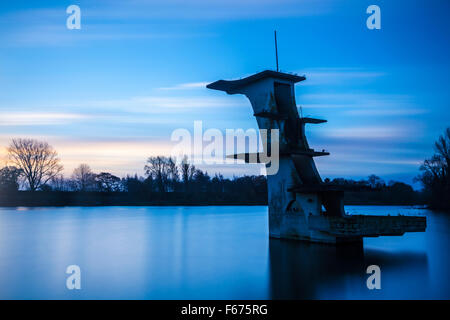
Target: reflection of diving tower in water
301,206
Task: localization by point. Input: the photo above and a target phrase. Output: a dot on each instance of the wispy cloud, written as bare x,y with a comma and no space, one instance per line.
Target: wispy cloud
211,10
186,86
363,104
357,97
339,76
125,108
368,132
386,112
159,104
37,118
102,21
59,35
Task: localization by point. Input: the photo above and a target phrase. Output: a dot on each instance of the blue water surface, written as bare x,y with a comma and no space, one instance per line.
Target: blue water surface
209,253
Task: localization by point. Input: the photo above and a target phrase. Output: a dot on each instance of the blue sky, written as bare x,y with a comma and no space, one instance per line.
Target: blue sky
111,94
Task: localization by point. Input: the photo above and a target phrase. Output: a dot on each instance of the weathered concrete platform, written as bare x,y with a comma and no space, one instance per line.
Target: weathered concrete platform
367,226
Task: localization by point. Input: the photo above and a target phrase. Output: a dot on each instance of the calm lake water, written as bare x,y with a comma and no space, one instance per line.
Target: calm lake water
209,253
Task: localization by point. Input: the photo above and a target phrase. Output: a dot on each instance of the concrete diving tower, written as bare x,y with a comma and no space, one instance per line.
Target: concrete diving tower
301,206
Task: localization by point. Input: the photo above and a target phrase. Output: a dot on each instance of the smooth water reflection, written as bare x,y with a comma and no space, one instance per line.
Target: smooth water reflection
208,253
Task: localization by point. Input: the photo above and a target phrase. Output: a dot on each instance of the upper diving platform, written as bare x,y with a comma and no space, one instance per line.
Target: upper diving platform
229,86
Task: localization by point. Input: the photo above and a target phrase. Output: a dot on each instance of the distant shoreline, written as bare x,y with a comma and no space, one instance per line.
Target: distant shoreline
100,199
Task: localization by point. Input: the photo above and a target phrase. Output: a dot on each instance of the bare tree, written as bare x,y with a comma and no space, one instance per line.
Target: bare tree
187,172
436,169
163,170
442,147
435,175
38,161
83,177
59,183
173,175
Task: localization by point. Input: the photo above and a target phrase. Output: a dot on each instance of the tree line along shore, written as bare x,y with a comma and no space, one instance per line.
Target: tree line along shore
33,177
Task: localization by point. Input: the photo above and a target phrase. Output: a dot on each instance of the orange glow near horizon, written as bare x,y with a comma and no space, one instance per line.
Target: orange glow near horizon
117,157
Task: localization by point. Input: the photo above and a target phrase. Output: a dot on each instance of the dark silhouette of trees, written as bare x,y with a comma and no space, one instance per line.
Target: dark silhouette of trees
173,179
163,170
137,185
201,181
59,183
375,181
400,190
37,164
187,173
435,176
374,190
218,184
106,182
350,182
38,161
83,178
9,179
194,185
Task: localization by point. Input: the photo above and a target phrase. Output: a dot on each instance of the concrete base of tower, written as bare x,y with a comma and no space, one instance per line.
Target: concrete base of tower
295,226
338,230
323,240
